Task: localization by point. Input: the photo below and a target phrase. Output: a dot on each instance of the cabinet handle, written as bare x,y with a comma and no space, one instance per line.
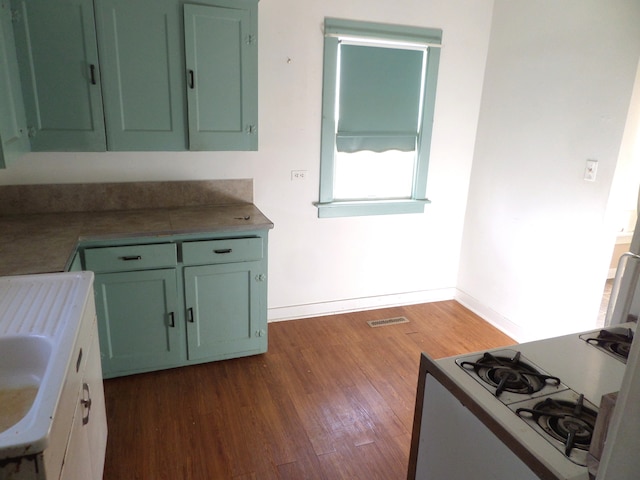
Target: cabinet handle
79,360
92,69
131,257
223,251
190,315
172,320
192,80
86,402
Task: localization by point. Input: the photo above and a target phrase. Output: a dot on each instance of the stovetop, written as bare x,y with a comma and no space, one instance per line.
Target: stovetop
563,417
509,375
566,420
581,368
615,341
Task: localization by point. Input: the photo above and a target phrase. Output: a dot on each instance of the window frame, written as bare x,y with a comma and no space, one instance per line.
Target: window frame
334,29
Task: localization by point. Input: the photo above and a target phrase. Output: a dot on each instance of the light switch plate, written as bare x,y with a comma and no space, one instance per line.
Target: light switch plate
590,170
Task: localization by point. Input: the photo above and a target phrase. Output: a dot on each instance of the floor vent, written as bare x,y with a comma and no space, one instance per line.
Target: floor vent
387,321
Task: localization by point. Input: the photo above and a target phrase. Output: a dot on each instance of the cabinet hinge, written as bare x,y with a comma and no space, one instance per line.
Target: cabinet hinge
250,39
15,15
251,129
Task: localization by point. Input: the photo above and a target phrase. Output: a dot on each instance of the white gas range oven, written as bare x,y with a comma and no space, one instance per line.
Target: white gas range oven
524,412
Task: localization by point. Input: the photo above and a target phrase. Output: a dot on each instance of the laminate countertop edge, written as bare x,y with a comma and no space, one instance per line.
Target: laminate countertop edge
46,242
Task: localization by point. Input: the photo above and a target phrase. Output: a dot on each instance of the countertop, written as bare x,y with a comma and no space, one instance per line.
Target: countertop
45,242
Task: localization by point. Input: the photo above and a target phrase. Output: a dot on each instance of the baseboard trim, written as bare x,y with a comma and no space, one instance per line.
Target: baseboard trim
278,314
494,318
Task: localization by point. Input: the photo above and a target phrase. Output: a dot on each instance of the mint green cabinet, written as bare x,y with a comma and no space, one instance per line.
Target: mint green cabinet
221,55
142,72
122,75
138,321
13,124
224,313
136,290
189,299
58,58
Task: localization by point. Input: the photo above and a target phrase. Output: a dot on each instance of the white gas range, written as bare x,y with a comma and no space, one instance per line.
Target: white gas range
525,412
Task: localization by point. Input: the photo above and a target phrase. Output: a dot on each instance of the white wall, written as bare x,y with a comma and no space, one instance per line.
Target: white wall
558,82
319,266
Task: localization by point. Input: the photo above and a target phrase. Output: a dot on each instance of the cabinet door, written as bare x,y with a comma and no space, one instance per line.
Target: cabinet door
221,51
85,453
140,53
77,458
58,59
13,123
94,415
138,321
226,314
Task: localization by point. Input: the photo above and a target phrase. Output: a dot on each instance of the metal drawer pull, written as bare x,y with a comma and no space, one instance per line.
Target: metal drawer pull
172,320
192,80
222,250
131,257
190,315
92,69
86,403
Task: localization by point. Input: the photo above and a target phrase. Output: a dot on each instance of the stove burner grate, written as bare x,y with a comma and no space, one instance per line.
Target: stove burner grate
571,423
616,341
509,374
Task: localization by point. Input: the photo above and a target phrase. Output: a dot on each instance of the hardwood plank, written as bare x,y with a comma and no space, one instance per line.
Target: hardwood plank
332,399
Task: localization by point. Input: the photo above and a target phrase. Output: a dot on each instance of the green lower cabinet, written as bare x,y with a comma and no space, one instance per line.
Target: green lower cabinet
138,321
179,302
225,315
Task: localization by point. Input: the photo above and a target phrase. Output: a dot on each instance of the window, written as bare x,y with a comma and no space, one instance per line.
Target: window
377,113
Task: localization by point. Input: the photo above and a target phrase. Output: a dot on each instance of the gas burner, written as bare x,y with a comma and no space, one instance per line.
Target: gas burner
568,421
509,374
615,341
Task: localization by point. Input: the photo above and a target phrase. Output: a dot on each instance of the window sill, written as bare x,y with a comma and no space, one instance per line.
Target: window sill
370,207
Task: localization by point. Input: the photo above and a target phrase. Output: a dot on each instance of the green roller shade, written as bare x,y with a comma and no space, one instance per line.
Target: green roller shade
379,98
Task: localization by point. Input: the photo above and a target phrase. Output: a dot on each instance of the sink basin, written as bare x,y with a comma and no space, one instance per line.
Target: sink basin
23,364
40,319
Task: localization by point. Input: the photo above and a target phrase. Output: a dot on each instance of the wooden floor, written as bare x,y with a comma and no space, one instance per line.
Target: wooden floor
332,399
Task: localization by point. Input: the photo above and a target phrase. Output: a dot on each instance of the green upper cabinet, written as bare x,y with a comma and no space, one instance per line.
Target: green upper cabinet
221,52
141,62
13,124
59,69
122,75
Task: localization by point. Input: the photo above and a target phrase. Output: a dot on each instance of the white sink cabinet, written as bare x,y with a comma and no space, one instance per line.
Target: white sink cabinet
87,438
68,416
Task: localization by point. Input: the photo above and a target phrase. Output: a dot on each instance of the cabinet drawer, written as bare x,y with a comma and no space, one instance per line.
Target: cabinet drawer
222,251
134,257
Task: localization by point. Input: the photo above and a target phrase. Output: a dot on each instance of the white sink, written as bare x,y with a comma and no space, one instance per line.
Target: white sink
22,368
39,323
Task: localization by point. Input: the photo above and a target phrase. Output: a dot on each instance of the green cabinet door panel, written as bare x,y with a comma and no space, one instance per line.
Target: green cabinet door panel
58,58
221,71
139,326
141,60
225,314
13,124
